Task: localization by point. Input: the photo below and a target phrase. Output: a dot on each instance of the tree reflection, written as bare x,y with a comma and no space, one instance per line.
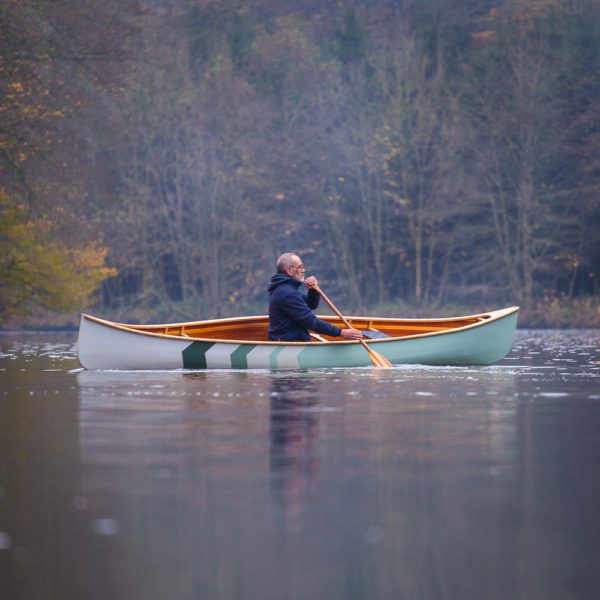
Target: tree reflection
294,438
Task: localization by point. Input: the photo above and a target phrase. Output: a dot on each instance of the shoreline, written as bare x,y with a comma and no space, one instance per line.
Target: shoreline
564,314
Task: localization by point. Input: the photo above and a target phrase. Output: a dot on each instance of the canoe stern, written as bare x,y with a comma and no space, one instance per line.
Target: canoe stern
101,346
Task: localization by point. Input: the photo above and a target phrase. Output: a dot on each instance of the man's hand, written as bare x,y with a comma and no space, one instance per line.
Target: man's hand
310,281
351,334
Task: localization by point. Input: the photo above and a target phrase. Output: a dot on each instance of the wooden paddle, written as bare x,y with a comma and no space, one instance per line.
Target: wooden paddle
377,359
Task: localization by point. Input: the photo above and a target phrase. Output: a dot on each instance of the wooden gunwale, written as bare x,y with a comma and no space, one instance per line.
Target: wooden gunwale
475,321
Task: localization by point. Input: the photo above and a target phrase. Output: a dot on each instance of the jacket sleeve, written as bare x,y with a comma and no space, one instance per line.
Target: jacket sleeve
326,328
320,326
296,308
313,298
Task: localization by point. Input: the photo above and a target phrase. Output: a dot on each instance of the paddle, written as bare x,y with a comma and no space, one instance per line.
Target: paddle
377,359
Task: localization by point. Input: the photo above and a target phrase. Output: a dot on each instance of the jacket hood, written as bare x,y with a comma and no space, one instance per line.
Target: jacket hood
280,278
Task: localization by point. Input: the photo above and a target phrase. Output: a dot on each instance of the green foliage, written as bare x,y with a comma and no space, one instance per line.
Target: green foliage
350,38
213,31
202,34
241,38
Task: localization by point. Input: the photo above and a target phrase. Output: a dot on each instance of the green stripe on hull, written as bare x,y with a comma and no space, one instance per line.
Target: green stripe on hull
194,356
239,357
273,357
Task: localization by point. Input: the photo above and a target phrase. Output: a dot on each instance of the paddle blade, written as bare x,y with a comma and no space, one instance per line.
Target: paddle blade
377,359
385,363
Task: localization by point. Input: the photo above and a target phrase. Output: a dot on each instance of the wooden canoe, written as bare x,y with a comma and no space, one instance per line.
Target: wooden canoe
241,343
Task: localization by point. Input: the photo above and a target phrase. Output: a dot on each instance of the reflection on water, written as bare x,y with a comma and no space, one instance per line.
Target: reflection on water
414,482
294,435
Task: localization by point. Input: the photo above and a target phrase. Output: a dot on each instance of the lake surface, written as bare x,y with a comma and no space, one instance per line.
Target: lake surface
415,482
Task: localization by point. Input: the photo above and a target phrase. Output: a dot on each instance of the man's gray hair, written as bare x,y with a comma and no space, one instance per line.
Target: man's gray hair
286,260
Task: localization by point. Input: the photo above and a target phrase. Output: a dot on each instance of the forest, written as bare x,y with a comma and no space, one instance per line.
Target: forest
156,156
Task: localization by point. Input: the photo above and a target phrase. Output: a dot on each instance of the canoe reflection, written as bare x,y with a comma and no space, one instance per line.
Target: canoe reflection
294,440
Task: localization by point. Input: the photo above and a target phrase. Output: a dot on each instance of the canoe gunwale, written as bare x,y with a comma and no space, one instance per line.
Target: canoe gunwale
483,319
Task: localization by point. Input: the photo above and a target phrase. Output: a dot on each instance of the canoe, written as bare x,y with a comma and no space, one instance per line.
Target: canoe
242,343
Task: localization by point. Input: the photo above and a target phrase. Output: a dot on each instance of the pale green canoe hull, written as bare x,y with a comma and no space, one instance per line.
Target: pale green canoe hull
105,345
479,346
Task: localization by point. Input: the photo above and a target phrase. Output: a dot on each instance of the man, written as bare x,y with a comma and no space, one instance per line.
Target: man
290,314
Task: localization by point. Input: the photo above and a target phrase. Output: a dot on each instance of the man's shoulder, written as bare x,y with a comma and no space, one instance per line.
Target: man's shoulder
286,289
287,285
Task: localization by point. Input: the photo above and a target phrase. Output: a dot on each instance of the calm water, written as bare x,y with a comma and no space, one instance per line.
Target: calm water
416,482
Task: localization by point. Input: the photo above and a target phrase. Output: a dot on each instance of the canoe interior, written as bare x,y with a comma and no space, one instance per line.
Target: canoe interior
255,328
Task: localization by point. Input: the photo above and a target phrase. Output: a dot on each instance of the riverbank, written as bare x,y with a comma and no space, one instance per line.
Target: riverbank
583,313
579,313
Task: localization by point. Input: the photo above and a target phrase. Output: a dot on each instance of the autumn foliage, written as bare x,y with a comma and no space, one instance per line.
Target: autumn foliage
37,270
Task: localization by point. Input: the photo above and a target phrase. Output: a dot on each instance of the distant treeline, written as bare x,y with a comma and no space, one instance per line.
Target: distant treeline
423,151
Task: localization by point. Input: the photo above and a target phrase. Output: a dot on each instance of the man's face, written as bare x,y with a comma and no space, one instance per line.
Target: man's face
297,270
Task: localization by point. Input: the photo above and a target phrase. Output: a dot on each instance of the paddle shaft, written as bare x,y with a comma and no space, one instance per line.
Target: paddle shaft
332,306
376,358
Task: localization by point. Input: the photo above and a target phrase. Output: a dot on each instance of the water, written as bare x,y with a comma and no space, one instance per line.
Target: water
416,482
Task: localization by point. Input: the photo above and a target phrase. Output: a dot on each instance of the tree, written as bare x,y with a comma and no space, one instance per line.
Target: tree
186,228
515,107
35,270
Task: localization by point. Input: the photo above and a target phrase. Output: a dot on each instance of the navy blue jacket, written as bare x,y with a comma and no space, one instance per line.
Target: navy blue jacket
290,314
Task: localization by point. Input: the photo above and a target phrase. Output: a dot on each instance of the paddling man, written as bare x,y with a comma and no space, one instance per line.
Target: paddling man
290,314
